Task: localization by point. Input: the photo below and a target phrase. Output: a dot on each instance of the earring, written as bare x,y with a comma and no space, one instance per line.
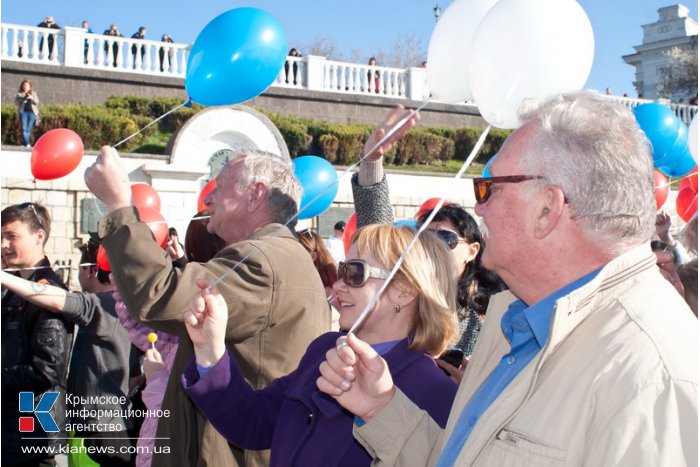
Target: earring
397,307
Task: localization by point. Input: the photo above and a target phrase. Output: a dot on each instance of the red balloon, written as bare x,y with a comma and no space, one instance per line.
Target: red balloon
685,183
102,260
661,188
208,188
350,228
692,178
687,203
56,154
144,195
156,222
427,206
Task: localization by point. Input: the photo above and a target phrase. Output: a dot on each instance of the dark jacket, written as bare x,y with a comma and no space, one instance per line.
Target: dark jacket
35,352
302,425
100,363
277,307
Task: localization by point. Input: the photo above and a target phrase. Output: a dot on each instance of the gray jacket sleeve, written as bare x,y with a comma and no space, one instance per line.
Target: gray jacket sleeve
88,310
372,203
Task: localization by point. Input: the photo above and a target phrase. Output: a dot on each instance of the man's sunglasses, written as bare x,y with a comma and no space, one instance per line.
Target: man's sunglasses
355,273
482,186
36,214
451,238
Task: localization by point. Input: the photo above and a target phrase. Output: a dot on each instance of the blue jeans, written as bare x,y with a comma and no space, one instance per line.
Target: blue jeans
27,120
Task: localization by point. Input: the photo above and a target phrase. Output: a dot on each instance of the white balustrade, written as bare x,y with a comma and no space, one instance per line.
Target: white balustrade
684,112
76,48
292,73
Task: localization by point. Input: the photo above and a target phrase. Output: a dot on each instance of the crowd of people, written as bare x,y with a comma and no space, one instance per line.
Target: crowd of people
165,54
556,332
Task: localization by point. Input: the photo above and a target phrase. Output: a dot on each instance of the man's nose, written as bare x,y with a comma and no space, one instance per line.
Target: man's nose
209,199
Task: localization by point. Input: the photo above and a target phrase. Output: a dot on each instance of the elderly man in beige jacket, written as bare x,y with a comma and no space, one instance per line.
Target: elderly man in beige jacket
276,300
591,357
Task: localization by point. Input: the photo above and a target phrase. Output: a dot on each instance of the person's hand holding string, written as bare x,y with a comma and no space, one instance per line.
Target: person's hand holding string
108,179
398,114
206,324
357,377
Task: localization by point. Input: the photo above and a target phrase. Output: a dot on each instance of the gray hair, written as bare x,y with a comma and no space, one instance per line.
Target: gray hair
594,150
278,176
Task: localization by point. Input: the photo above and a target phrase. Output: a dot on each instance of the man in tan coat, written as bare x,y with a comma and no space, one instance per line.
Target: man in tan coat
591,358
275,297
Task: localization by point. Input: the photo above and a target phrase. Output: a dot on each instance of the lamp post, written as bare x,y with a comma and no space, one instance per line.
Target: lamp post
436,12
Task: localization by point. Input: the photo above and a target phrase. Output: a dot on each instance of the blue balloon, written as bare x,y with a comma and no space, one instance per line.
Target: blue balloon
677,164
662,128
408,222
319,182
235,57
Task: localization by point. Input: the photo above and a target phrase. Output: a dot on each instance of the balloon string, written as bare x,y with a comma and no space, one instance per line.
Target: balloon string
672,179
385,138
57,266
424,226
187,102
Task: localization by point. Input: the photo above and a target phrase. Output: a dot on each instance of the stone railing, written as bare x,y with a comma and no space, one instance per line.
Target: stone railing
76,48
320,74
683,111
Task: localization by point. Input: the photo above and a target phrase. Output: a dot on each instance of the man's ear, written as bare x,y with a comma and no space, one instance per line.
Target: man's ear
256,196
40,236
550,211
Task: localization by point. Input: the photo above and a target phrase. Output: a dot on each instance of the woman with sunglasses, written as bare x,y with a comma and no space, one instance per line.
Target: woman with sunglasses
475,284
454,225
411,322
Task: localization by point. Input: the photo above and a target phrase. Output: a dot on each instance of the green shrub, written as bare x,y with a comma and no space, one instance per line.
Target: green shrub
350,141
419,147
9,121
295,133
121,116
465,139
329,145
95,124
155,108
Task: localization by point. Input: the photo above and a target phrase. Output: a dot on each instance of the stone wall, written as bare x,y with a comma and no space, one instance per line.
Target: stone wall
70,85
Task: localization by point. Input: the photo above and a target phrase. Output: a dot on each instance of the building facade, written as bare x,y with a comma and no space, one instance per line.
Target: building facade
674,31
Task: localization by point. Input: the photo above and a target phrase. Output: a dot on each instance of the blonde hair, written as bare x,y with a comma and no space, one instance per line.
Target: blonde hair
429,269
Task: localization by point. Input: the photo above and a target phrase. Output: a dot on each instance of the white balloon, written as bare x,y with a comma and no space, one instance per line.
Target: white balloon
528,49
450,49
693,137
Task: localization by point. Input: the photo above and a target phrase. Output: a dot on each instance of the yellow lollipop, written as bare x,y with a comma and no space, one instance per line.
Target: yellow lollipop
152,338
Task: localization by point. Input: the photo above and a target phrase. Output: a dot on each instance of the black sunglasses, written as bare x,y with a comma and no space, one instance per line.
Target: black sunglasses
451,238
482,186
36,214
356,272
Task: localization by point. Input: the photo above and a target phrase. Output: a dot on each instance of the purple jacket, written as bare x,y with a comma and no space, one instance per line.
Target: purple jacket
292,417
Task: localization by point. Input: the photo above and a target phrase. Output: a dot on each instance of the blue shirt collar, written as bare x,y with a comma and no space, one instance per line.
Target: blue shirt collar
539,315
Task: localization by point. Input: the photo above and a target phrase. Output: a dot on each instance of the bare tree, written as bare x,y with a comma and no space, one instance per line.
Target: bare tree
406,51
679,79
324,47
